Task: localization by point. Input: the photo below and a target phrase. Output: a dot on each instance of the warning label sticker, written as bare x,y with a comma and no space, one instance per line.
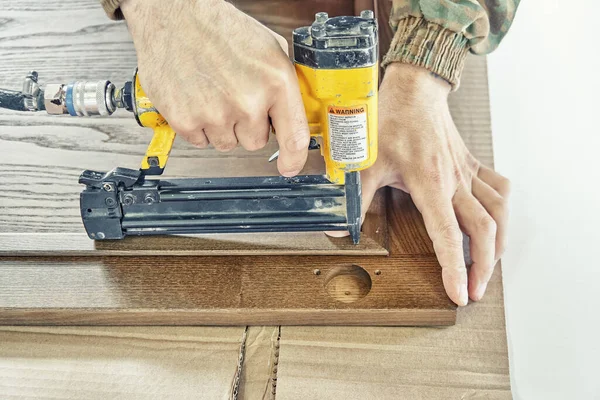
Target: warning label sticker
348,133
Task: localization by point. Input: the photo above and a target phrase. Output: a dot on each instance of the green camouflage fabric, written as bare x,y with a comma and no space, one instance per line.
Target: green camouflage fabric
434,34
437,34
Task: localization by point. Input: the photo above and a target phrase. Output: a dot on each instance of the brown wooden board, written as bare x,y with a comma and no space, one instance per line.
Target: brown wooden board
50,273
246,290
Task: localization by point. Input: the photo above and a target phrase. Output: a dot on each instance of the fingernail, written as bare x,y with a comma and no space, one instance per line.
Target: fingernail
479,292
463,297
337,233
290,174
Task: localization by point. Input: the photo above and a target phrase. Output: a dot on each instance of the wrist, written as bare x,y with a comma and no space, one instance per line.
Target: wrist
416,82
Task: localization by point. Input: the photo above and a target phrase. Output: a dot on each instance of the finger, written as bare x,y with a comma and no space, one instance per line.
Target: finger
289,120
222,139
481,229
196,138
252,134
369,186
442,227
497,207
495,180
190,128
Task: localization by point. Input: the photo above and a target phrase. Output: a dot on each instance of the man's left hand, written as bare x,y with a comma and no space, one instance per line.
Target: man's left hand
422,153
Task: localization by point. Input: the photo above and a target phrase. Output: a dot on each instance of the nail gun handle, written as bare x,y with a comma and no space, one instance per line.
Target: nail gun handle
158,151
147,115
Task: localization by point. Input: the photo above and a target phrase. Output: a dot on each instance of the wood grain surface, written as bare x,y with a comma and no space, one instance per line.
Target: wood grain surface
72,280
241,290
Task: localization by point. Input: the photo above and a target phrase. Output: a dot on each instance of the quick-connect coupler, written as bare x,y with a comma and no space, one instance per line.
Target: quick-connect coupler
86,98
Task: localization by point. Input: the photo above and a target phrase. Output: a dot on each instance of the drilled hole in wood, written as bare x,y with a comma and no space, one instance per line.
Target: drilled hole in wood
377,272
317,272
348,283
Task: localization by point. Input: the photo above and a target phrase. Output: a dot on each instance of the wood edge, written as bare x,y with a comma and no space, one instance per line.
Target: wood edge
195,253
228,317
373,248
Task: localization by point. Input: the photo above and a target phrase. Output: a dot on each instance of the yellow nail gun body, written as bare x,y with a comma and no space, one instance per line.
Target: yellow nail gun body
336,62
337,69
341,107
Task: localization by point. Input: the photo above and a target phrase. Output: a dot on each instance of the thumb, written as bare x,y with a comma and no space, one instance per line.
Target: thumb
289,120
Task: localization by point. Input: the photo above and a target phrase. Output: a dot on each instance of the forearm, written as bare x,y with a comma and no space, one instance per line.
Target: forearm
437,34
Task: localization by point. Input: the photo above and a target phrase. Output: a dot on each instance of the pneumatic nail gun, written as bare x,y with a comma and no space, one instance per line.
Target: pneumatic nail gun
336,61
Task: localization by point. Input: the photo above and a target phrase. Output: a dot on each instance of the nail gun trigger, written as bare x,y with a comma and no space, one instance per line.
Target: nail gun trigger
313,145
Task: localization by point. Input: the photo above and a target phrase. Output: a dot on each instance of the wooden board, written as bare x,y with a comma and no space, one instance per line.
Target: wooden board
52,274
245,290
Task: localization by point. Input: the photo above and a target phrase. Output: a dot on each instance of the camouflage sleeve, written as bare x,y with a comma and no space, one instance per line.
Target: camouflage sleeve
437,34
112,8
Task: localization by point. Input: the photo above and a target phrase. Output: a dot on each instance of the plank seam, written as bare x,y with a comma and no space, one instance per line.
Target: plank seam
238,371
275,364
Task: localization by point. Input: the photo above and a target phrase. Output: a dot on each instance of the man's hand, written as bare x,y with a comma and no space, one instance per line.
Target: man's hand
423,154
218,76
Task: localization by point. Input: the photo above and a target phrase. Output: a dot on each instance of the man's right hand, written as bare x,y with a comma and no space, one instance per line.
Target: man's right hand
218,76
